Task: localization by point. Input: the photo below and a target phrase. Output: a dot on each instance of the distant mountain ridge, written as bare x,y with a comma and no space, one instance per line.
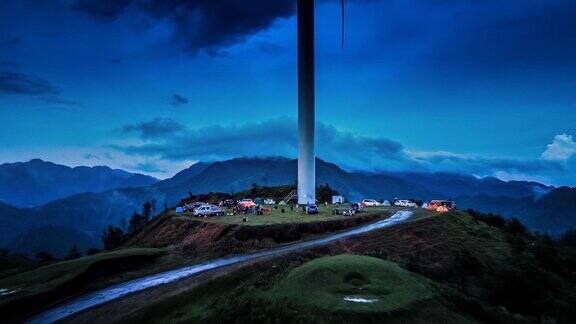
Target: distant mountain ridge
35,183
89,213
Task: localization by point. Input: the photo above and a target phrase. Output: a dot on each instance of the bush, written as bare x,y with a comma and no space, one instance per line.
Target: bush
515,227
113,238
92,251
569,238
325,193
43,256
490,219
74,253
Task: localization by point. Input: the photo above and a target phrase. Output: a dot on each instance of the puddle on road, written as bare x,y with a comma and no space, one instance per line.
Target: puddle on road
356,299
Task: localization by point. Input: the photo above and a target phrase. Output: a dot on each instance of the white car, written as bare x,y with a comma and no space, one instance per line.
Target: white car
209,210
371,203
405,203
269,201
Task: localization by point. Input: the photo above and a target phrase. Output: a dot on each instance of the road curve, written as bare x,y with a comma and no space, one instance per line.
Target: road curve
105,295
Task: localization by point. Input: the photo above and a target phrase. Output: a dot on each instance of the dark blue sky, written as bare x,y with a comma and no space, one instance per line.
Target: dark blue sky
482,87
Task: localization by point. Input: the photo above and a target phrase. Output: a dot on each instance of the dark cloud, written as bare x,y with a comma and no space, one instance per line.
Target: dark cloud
154,129
488,36
102,9
178,100
197,24
209,24
482,36
22,84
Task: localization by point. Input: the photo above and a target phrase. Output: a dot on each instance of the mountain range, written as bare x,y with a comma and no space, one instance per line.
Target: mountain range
85,215
37,182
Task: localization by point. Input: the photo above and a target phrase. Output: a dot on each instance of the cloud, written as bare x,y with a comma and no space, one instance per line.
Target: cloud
90,156
154,129
441,160
200,24
167,140
562,149
102,9
178,100
22,84
148,167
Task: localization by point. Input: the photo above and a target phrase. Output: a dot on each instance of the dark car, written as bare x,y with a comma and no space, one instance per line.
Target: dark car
311,209
229,203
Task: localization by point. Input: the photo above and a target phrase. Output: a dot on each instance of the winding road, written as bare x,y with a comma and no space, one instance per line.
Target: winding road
106,295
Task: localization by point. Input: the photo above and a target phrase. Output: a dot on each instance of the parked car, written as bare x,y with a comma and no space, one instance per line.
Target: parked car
269,201
386,203
209,210
405,203
371,203
312,209
191,206
229,203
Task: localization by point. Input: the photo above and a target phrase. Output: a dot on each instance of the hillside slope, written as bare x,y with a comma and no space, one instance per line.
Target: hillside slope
450,268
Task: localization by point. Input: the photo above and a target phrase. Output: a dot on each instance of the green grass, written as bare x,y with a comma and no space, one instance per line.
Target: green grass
275,216
323,284
307,290
51,283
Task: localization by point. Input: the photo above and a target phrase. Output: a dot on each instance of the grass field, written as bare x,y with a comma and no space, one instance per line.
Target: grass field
24,292
350,283
322,290
275,216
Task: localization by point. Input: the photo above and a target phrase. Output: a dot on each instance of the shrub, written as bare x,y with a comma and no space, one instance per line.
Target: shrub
113,237
43,256
92,251
515,227
569,238
74,253
490,219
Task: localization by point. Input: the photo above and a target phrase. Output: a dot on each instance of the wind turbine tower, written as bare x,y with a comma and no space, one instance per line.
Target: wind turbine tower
306,104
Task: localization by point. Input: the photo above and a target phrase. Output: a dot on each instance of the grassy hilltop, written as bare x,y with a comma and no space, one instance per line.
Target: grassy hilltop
458,267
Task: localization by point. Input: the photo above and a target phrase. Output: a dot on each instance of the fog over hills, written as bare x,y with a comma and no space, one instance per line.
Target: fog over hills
541,207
